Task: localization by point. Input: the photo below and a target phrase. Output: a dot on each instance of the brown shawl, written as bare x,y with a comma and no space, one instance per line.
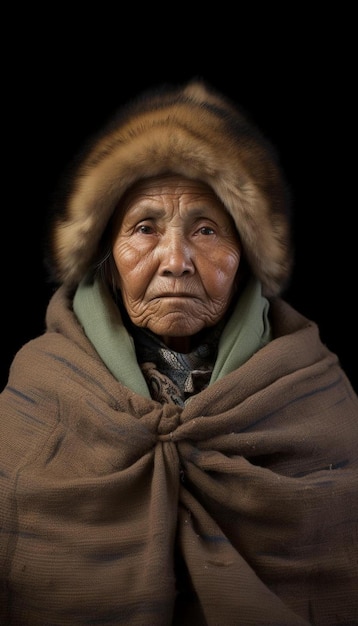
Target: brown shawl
239,509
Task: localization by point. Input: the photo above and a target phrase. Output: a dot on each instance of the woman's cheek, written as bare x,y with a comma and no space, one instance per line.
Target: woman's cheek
126,255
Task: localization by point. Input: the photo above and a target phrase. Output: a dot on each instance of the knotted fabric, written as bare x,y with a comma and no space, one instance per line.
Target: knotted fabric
239,508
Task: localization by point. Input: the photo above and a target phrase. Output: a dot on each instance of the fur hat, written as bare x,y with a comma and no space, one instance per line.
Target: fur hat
190,130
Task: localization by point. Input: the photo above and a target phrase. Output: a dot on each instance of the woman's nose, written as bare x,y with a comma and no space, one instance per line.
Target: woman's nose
176,256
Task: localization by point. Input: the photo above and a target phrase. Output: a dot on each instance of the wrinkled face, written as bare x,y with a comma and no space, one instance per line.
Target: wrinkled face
177,253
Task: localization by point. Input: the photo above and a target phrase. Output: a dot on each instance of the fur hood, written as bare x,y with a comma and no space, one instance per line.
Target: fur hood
191,130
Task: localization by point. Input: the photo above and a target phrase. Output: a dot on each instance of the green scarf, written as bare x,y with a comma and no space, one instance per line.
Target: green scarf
247,331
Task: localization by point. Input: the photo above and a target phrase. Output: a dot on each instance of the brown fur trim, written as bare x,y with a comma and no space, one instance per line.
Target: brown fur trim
193,131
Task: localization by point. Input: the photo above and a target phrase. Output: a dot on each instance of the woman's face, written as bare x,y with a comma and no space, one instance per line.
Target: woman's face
177,253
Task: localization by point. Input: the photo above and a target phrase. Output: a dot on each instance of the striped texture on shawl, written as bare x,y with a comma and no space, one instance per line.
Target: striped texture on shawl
239,509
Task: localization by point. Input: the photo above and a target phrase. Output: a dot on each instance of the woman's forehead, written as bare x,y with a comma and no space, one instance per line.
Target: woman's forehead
165,192
167,183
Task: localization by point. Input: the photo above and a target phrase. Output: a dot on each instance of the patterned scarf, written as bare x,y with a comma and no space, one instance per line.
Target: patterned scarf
174,376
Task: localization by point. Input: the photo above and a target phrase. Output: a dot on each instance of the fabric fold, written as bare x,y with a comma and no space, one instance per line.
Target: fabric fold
247,484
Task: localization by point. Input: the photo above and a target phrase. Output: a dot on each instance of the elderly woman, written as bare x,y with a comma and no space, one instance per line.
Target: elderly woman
179,447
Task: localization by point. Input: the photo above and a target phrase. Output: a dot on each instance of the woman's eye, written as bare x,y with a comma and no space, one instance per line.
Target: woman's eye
145,229
206,230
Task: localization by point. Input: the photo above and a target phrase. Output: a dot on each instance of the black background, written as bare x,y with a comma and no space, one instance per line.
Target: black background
294,71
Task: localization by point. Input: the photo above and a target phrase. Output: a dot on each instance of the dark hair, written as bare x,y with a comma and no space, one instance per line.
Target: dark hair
104,266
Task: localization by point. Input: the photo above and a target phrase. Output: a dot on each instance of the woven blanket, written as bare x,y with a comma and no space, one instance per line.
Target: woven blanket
239,509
